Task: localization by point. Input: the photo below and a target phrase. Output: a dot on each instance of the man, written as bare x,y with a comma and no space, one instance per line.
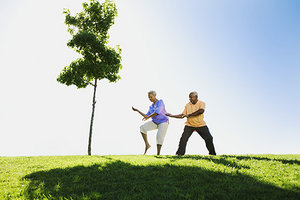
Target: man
193,111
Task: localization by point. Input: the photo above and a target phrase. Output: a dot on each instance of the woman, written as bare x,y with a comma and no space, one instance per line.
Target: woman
159,121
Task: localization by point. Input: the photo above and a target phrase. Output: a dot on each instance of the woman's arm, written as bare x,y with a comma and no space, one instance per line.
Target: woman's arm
147,117
143,114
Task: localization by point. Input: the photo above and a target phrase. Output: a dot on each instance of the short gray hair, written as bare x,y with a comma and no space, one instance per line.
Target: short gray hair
195,93
152,92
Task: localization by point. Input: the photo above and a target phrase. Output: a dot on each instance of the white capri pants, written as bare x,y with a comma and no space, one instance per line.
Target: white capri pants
161,133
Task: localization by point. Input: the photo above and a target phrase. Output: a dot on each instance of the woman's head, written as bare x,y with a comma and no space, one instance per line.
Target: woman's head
152,95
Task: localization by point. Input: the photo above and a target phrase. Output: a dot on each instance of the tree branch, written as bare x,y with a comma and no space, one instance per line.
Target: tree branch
91,84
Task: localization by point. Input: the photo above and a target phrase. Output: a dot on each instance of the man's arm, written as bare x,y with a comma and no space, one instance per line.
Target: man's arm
196,113
179,116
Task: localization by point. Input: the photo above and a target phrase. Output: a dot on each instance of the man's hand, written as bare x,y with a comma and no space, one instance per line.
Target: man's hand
134,109
169,115
180,116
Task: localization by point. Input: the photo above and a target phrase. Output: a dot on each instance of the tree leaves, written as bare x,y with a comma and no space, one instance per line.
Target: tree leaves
89,29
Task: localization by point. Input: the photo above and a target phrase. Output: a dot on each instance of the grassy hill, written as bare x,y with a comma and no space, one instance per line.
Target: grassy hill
151,177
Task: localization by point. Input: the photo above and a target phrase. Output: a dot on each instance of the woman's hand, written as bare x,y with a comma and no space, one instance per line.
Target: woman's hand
146,118
134,109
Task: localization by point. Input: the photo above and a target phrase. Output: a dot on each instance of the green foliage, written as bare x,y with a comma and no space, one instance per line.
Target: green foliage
89,30
151,177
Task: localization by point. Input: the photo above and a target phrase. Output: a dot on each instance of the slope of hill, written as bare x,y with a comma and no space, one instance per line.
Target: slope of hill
151,177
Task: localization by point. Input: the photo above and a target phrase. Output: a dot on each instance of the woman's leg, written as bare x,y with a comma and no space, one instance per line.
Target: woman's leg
148,126
161,133
147,145
158,148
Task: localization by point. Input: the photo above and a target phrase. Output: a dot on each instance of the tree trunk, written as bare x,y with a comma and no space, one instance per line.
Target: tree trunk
92,119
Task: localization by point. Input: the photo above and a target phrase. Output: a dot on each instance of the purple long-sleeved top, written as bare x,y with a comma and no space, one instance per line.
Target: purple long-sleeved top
159,108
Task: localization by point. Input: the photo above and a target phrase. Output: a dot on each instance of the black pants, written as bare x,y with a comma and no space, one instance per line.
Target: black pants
203,132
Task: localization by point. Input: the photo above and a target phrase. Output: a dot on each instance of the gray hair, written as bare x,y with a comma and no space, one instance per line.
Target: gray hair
152,92
194,93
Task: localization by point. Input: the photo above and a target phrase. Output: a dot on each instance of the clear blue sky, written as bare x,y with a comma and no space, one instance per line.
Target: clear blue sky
242,57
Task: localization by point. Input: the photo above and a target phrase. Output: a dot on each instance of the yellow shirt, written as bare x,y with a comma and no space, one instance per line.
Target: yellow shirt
196,121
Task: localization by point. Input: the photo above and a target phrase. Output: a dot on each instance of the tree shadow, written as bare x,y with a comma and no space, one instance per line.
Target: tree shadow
121,180
283,161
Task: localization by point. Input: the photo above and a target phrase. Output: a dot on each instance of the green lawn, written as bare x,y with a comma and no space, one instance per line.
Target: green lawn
151,177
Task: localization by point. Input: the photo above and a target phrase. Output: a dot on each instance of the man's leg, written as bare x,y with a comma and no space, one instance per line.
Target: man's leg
161,133
187,132
144,129
205,134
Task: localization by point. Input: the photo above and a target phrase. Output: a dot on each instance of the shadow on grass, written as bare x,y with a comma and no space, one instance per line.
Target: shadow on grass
297,162
119,180
217,160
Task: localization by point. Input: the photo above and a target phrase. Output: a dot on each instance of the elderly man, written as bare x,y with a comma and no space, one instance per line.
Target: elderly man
193,111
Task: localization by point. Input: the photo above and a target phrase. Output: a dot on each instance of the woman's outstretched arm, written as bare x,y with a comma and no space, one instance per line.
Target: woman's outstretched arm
143,114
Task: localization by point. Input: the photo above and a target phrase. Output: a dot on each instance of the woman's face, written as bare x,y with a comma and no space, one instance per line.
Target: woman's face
151,97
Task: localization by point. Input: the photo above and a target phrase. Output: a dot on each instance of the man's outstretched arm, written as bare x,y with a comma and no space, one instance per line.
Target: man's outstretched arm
180,116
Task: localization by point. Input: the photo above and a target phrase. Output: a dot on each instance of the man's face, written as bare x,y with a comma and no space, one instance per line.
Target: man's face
151,97
193,98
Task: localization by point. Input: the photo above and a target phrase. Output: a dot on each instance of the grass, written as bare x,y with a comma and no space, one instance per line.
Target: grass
151,177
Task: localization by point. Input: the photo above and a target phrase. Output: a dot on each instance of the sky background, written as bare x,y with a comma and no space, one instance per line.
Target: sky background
242,57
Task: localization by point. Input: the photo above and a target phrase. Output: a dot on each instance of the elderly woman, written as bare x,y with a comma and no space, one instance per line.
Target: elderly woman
159,121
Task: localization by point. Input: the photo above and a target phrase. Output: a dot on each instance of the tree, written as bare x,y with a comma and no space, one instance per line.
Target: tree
89,31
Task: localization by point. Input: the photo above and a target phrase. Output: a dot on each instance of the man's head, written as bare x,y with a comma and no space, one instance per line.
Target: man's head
152,95
193,96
